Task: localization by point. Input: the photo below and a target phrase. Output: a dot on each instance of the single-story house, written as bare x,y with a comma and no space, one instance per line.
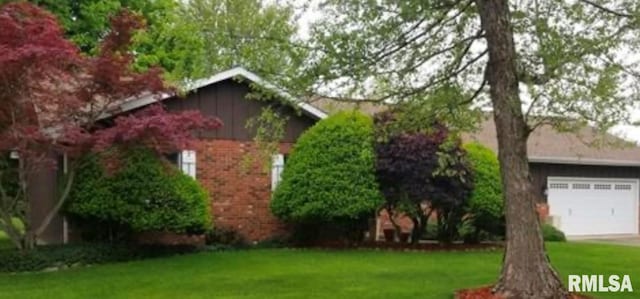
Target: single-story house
240,194
589,191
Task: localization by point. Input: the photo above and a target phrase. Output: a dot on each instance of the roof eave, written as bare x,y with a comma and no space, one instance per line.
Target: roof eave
583,161
225,75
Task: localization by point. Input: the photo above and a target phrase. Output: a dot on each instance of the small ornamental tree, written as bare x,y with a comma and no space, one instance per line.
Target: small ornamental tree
421,172
452,185
53,98
486,207
329,178
142,193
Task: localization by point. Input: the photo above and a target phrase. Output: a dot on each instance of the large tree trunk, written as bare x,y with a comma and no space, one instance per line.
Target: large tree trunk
526,271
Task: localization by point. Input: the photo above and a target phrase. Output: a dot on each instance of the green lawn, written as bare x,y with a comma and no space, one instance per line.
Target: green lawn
283,273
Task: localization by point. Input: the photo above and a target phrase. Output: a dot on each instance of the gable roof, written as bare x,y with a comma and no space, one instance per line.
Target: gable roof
236,72
331,105
546,145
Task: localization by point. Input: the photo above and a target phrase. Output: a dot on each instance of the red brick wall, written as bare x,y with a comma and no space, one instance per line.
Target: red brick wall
240,192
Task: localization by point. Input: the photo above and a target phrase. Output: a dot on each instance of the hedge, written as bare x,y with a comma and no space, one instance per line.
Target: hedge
552,234
56,257
330,175
486,204
144,193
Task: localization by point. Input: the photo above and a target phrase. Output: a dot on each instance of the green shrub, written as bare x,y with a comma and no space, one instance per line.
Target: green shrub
65,256
430,231
486,206
143,194
329,176
225,236
91,196
17,223
552,234
5,241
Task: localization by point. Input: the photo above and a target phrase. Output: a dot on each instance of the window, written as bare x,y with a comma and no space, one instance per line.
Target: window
187,162
623,187
174,158
558,186
602,186
581,186
277,166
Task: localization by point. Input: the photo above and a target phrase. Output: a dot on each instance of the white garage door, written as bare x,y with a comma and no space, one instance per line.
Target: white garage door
581,206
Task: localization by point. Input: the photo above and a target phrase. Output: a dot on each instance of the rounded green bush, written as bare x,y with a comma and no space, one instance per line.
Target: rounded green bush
330,175
552,234
144,194
91,196
486,204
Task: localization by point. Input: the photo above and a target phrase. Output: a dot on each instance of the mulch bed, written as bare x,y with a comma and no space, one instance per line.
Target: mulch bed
485,293
411,247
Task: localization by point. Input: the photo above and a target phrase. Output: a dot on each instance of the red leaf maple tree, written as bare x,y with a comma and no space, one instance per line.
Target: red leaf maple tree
55,101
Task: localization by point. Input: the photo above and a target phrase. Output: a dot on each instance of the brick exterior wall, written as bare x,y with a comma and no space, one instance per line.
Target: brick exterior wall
240,191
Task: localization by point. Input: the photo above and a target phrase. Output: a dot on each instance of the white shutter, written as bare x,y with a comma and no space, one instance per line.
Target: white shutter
188,162
277,165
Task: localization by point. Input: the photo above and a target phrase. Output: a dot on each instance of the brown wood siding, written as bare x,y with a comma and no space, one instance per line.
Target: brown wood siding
43,196
210,106
540,172
228,101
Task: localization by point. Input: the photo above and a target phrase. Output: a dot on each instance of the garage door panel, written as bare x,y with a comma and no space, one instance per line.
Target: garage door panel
594,206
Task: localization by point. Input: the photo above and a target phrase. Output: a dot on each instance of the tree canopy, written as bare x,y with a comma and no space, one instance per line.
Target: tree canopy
54,98
573,63
167,41
192,39
250,33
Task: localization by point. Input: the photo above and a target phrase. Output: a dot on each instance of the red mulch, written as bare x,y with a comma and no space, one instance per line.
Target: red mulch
410,247
485,293
479,293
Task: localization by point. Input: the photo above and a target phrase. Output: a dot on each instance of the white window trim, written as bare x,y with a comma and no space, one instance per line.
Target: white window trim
277,166
187,162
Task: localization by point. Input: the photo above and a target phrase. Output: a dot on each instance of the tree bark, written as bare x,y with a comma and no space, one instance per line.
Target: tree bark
28,241
526,271
54,211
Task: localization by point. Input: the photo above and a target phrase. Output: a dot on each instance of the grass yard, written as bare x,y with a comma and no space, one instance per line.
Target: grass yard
283,273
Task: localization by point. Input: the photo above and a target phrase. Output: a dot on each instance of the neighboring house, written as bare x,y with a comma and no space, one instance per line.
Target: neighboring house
586,190
589,191
240,192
